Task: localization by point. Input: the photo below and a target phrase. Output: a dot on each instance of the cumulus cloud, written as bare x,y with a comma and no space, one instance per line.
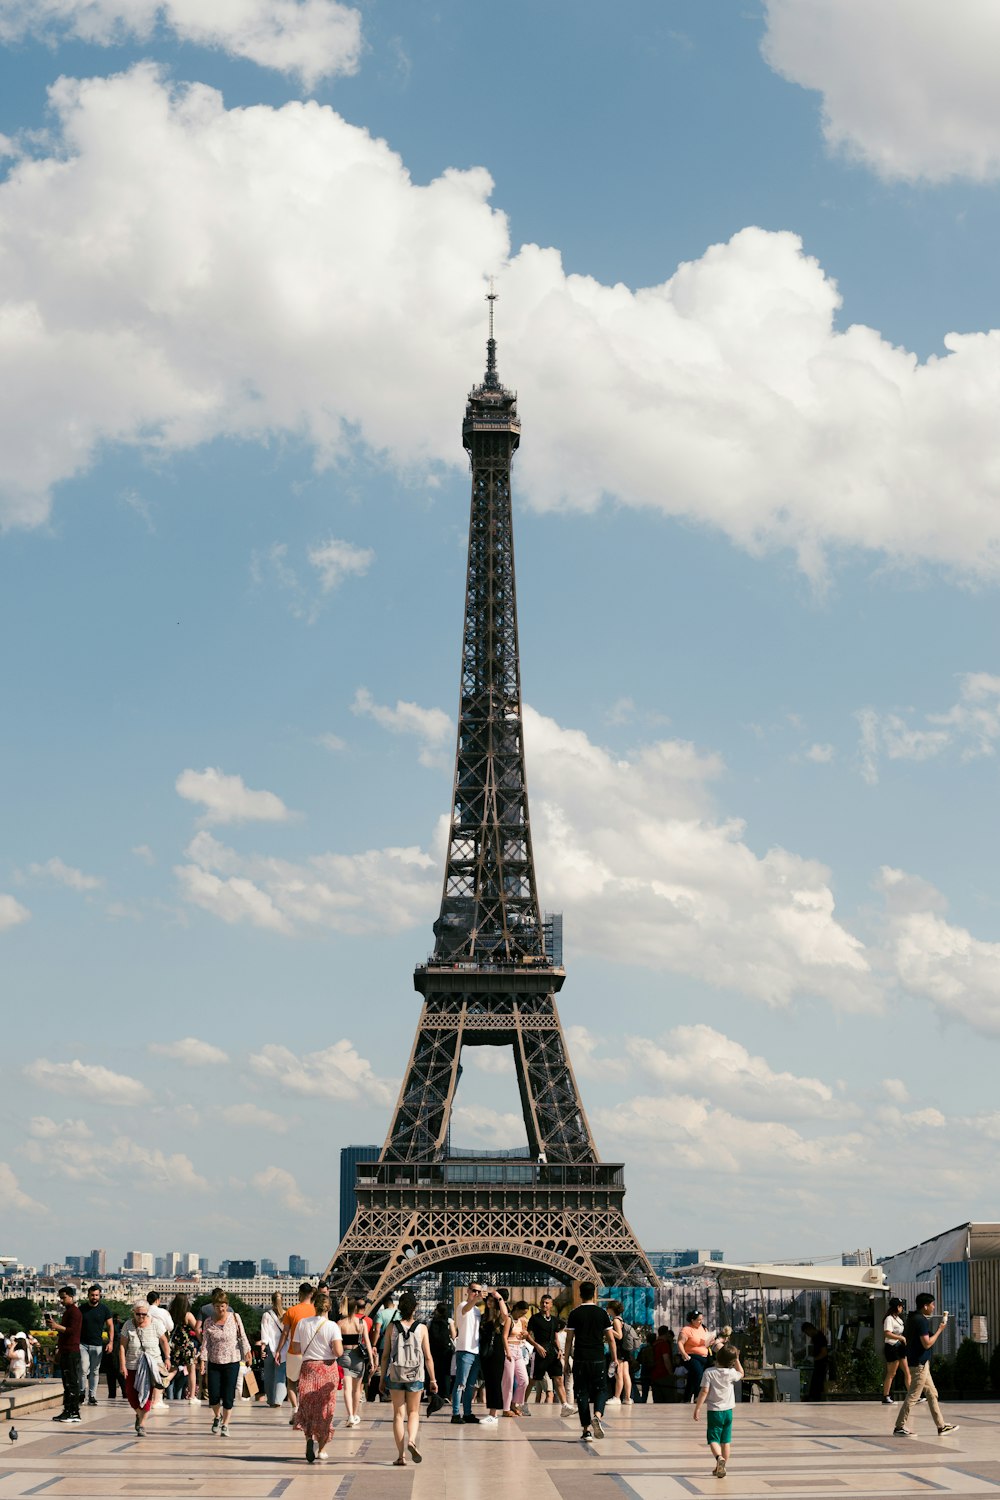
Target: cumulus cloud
336,1072
311,39
378,891
932,957
821,755
970,727
87,1079
12,913
335,560
701,1061
227,800
255,1117
71,1150
276,1182
911,88
14,1196
431,726
190,1051
211,273
496,1060
500,1129
633,851
63,874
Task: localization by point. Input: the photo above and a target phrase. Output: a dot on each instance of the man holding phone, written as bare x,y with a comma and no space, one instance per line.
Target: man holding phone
919,1343
68,1349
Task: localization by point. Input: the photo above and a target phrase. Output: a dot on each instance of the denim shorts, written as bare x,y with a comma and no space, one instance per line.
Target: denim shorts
406,1385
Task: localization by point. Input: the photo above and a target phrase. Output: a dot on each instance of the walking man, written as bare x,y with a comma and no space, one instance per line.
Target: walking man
588,1329
96,1320
467,1324
164,1326
919,1343
68,1349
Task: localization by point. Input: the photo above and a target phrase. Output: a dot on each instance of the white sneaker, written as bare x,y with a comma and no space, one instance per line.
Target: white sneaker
488,1421
569,1411
613,1401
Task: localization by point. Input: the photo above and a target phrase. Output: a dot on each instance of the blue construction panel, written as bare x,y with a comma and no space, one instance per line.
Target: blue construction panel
639,1302
955,1299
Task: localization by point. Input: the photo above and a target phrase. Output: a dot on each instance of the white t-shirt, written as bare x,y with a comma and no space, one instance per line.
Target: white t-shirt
315,1337
893,1324
719,1384
270,1330
468,1331
162,1320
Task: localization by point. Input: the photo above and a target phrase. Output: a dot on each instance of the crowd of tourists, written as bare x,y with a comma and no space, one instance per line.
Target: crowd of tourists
487,1360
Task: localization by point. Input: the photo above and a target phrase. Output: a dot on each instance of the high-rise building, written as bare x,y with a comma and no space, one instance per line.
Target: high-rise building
160,1267
349,1158
203,1264
97,1263
76,1265
268,1267
139,1262
242,1268
298,1266
191,1263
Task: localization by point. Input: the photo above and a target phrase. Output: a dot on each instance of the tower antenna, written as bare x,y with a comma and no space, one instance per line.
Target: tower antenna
492,379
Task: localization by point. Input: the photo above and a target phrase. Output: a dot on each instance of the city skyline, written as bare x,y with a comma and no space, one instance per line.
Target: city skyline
747,300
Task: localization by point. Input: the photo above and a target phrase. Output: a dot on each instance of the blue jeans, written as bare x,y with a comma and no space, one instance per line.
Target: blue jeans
466,1374
274,1380
90,1367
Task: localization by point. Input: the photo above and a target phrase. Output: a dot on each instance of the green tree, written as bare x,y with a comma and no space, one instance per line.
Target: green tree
971,1372
22,1311
943,1375
869,1369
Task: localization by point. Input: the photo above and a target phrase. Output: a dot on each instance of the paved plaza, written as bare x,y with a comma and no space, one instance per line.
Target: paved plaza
650,1453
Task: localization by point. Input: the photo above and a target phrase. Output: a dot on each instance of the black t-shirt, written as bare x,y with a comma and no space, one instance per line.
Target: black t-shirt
94,1322
917,1324
819,1345
588,1322
543,1329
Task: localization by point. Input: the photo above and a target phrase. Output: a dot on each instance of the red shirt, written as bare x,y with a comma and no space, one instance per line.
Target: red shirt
68,1341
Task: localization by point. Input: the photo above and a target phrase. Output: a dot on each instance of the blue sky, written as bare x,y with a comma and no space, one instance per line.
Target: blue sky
747,266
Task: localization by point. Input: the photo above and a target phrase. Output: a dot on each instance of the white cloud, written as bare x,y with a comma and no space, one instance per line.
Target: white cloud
910,87
497,1060
331,742
378,891
71,1150
190,1051
13,1196
432,726
336,1072
12,913
896,1090
88,1079
227,800
931,957
701,1061
478,1122
221,273
335,560
646,872
145,853
971,727
822,755
586,1058
278,1183
63,874
311,39
255,1117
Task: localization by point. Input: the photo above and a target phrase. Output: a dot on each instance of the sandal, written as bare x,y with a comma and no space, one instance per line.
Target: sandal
399,1463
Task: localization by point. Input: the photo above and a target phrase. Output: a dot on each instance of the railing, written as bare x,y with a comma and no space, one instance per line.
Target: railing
463,1172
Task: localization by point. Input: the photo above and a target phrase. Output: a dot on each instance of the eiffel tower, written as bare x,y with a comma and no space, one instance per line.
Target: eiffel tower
489,982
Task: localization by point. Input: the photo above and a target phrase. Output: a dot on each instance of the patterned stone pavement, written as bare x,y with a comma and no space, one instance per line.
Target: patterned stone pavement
650,1453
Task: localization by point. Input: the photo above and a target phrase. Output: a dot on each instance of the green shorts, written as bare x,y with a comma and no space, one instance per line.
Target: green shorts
720,1426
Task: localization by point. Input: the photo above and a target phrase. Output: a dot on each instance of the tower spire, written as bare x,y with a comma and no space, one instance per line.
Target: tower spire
492,381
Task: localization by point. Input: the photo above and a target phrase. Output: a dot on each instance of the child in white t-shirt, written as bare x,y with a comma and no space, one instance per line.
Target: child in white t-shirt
717,1392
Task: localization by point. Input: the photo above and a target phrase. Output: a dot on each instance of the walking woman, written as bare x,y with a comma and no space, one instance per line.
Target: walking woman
142,1356
183,1350
224,1347
491,1354
623,1375
894,1337
270,1337
515,1348
406,1365
321,1344
357,1361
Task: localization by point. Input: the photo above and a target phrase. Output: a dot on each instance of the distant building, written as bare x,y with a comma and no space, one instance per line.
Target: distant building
139,1262
246,1270
76,1265
160,1266
350,1156
257,1290
552,937
203,1264
268,1267
663,1261
961,1269
298,1266
97,1263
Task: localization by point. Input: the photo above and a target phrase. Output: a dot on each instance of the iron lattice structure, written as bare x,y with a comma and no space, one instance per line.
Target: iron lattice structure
489,981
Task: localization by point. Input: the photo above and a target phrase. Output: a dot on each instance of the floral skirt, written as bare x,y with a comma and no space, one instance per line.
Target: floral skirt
318,1385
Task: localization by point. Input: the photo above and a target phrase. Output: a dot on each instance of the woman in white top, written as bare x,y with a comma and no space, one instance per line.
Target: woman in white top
143,1353
894,1337
321,1345
270,1337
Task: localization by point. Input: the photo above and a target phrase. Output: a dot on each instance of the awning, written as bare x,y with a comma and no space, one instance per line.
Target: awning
772,1276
